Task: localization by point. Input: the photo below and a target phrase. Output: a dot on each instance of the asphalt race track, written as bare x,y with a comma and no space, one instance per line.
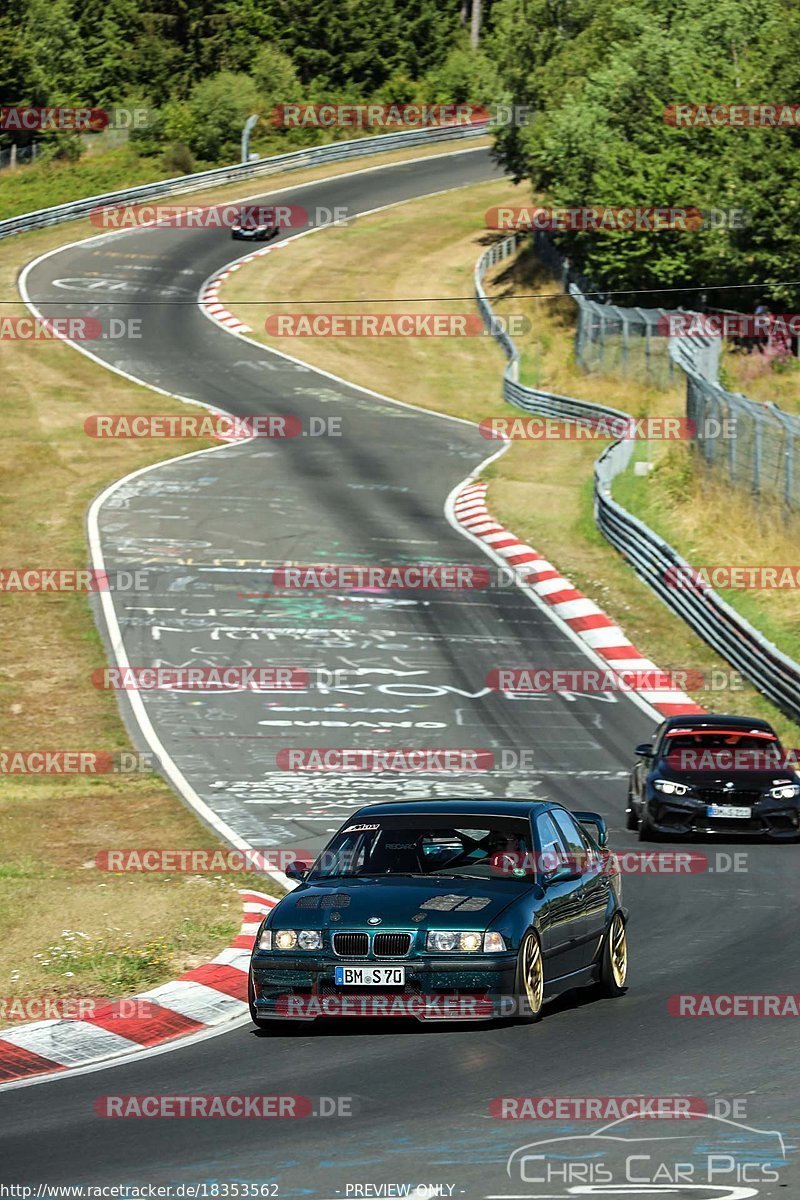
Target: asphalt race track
388,670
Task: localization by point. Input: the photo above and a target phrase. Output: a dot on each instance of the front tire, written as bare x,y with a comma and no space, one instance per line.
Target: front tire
614,965
529,983
647,831
631,819
260,1022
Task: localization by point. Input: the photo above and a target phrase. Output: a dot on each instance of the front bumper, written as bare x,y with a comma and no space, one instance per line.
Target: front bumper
682,816
294,987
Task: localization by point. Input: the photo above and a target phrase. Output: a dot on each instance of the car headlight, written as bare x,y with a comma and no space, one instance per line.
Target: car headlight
297,939
785,791
670,788
264,940
452,941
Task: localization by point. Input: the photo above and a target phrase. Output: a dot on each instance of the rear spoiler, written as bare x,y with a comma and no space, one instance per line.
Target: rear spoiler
594,819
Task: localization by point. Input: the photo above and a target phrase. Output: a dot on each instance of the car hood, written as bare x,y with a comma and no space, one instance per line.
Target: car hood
399,902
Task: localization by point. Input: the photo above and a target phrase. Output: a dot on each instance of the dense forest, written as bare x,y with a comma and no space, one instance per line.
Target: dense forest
597,78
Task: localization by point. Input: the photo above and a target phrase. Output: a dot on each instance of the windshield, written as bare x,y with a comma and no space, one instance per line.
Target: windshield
469,847
723,750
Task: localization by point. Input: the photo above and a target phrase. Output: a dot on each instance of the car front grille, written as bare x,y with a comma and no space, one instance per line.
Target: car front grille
391,945
351,945
738,798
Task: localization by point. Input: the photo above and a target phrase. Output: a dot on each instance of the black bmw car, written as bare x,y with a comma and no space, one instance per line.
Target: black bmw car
247,230
714,774
460,909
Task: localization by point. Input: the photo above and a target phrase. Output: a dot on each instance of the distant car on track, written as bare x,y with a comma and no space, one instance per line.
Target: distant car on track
249,230
491,906
714,774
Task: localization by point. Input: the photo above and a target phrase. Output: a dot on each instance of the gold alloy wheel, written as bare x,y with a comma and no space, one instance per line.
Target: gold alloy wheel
618,951
533,973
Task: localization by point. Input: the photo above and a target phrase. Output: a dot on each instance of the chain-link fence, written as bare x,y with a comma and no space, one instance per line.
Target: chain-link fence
611,338
757,445
628,341
12,156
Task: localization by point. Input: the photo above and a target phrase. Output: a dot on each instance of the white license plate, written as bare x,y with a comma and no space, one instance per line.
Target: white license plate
727,810
370,976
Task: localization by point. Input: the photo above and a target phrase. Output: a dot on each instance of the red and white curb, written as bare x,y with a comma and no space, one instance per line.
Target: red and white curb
582,615
209,299
206,996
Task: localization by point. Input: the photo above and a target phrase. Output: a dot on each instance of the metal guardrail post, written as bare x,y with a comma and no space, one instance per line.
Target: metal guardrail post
788,454
757,452
246,131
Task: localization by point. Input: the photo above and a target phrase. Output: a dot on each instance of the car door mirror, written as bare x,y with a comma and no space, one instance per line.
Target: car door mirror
644,750
597,823
562,875
297,871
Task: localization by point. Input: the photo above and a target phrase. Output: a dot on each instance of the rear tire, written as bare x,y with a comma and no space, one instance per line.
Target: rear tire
614,965
529,980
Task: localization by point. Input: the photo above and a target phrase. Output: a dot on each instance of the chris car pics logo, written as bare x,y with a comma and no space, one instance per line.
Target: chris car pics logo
710,1158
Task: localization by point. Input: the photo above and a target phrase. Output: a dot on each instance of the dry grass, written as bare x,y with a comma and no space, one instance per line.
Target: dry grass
540,490
770,380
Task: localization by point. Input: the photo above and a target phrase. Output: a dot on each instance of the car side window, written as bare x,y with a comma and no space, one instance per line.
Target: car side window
578,844
552,855
569,828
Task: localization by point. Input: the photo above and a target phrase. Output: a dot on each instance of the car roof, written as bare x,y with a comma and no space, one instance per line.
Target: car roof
717,721
467,807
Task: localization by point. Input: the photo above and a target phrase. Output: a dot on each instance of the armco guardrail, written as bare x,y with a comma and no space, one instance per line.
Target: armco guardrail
294,160
662,568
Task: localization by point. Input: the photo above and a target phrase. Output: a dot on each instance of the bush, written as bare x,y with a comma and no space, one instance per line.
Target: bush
178,160
219,107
